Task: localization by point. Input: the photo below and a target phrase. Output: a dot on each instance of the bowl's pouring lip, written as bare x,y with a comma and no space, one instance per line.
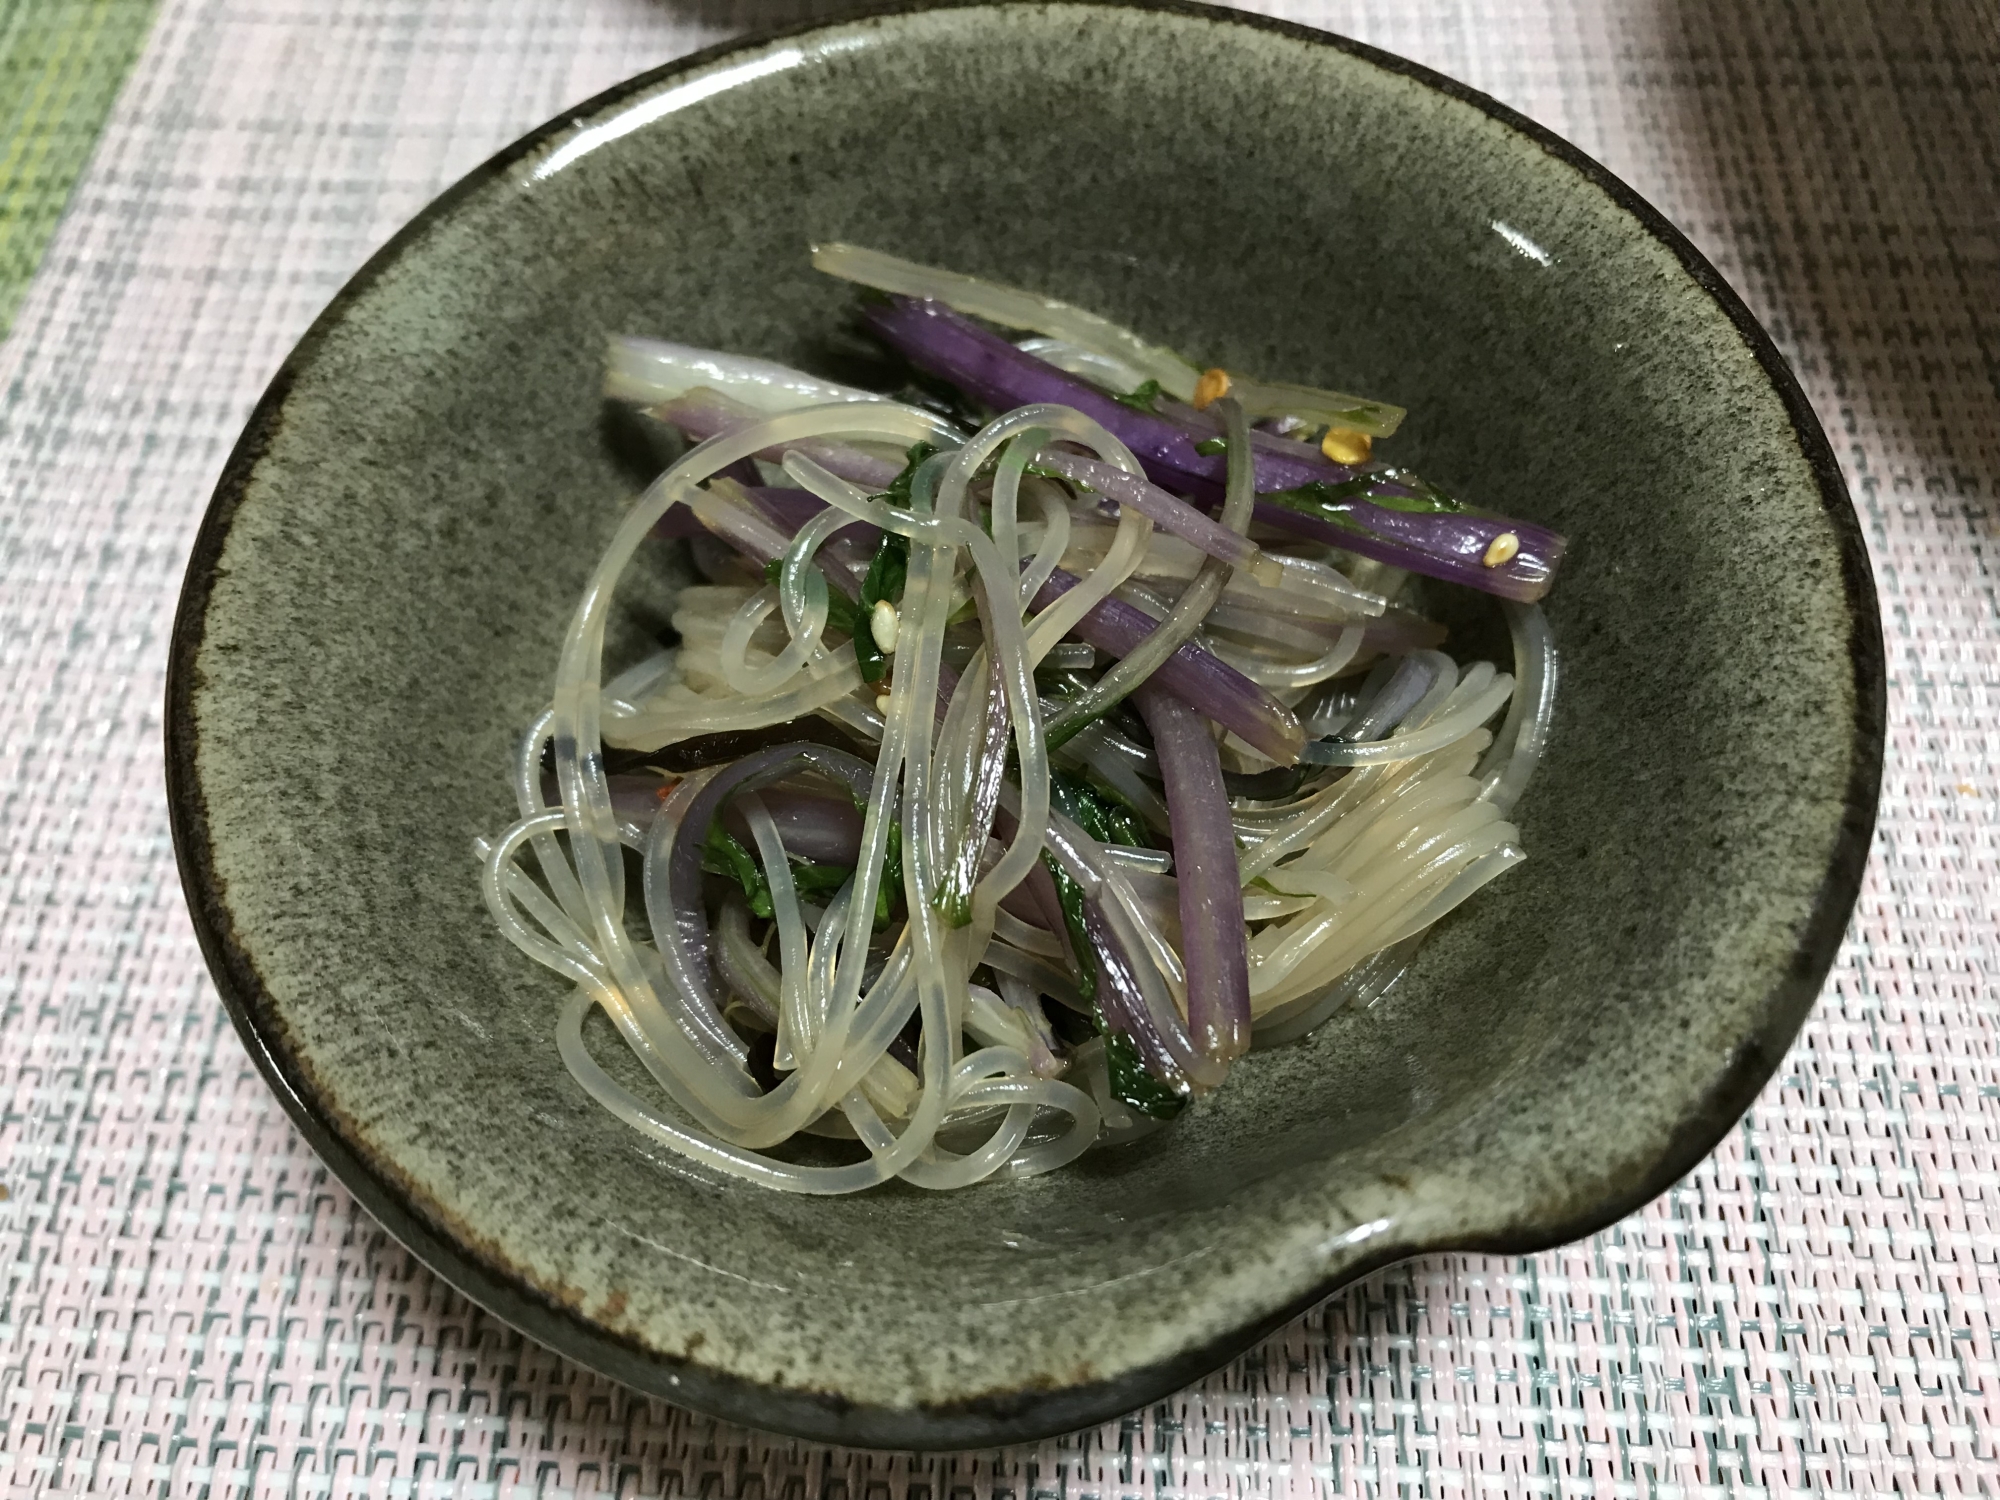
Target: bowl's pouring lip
1026,1415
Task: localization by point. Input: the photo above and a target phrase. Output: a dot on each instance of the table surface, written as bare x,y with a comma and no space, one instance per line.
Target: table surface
191,1305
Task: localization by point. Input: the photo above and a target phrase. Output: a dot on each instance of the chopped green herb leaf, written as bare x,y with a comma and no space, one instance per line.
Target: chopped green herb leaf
1332,502
888,571
898,492
1043,471
817,882
1104,815
842,615
1210,447
1131,1083
1129,1080
890,891
722,853
1070,894
885,580
1143,399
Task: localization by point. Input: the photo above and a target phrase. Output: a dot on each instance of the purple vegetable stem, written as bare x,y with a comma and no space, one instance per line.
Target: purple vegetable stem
790,509
1169,512
1122,1002
1214,946
1195,676
823,829
1447,545
989,369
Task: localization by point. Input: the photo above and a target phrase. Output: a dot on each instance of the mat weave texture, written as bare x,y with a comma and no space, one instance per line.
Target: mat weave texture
61,62
189,1305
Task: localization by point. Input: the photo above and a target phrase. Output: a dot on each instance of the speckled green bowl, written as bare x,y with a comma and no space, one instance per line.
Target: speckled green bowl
374,603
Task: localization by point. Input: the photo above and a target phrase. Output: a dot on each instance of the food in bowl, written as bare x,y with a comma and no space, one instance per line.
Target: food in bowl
1042,738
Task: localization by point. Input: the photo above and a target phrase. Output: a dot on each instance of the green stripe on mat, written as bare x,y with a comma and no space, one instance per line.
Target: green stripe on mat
61,65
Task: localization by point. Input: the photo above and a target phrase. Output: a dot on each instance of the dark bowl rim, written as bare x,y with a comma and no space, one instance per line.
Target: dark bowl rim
1033,1414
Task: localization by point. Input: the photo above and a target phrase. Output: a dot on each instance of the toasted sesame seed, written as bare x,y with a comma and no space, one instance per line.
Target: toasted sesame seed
882,704
1346,446
1212,387
1501,549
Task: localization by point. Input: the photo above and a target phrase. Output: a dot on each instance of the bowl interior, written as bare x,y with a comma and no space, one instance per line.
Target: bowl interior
375,607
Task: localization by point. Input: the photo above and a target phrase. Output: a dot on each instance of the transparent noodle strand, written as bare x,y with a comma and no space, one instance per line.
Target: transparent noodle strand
1359,865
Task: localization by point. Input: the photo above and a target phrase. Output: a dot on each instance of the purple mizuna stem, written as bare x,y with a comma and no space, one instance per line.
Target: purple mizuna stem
1214,945
1195,676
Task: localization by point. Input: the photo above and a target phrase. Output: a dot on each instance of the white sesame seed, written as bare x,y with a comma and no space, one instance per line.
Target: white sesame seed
1502,549
883,623
882,704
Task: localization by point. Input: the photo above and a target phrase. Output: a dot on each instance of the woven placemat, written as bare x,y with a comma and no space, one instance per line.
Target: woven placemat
189,1305
61,64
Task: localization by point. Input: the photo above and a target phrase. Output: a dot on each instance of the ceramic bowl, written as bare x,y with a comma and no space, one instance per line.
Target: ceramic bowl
374,602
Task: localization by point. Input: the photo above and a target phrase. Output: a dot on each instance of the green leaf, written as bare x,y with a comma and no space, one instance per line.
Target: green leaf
887,574
722,853
1043,471
1143,399
1104,815
816,881
1334,502
890,889
842,615
888,570
1129,1080
1070,894
1132,1084
898,492
1210,447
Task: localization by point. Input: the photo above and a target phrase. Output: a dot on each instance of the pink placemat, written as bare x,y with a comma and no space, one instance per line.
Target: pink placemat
190,1305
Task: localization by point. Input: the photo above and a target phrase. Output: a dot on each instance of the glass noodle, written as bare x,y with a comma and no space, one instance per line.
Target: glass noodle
1006,780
